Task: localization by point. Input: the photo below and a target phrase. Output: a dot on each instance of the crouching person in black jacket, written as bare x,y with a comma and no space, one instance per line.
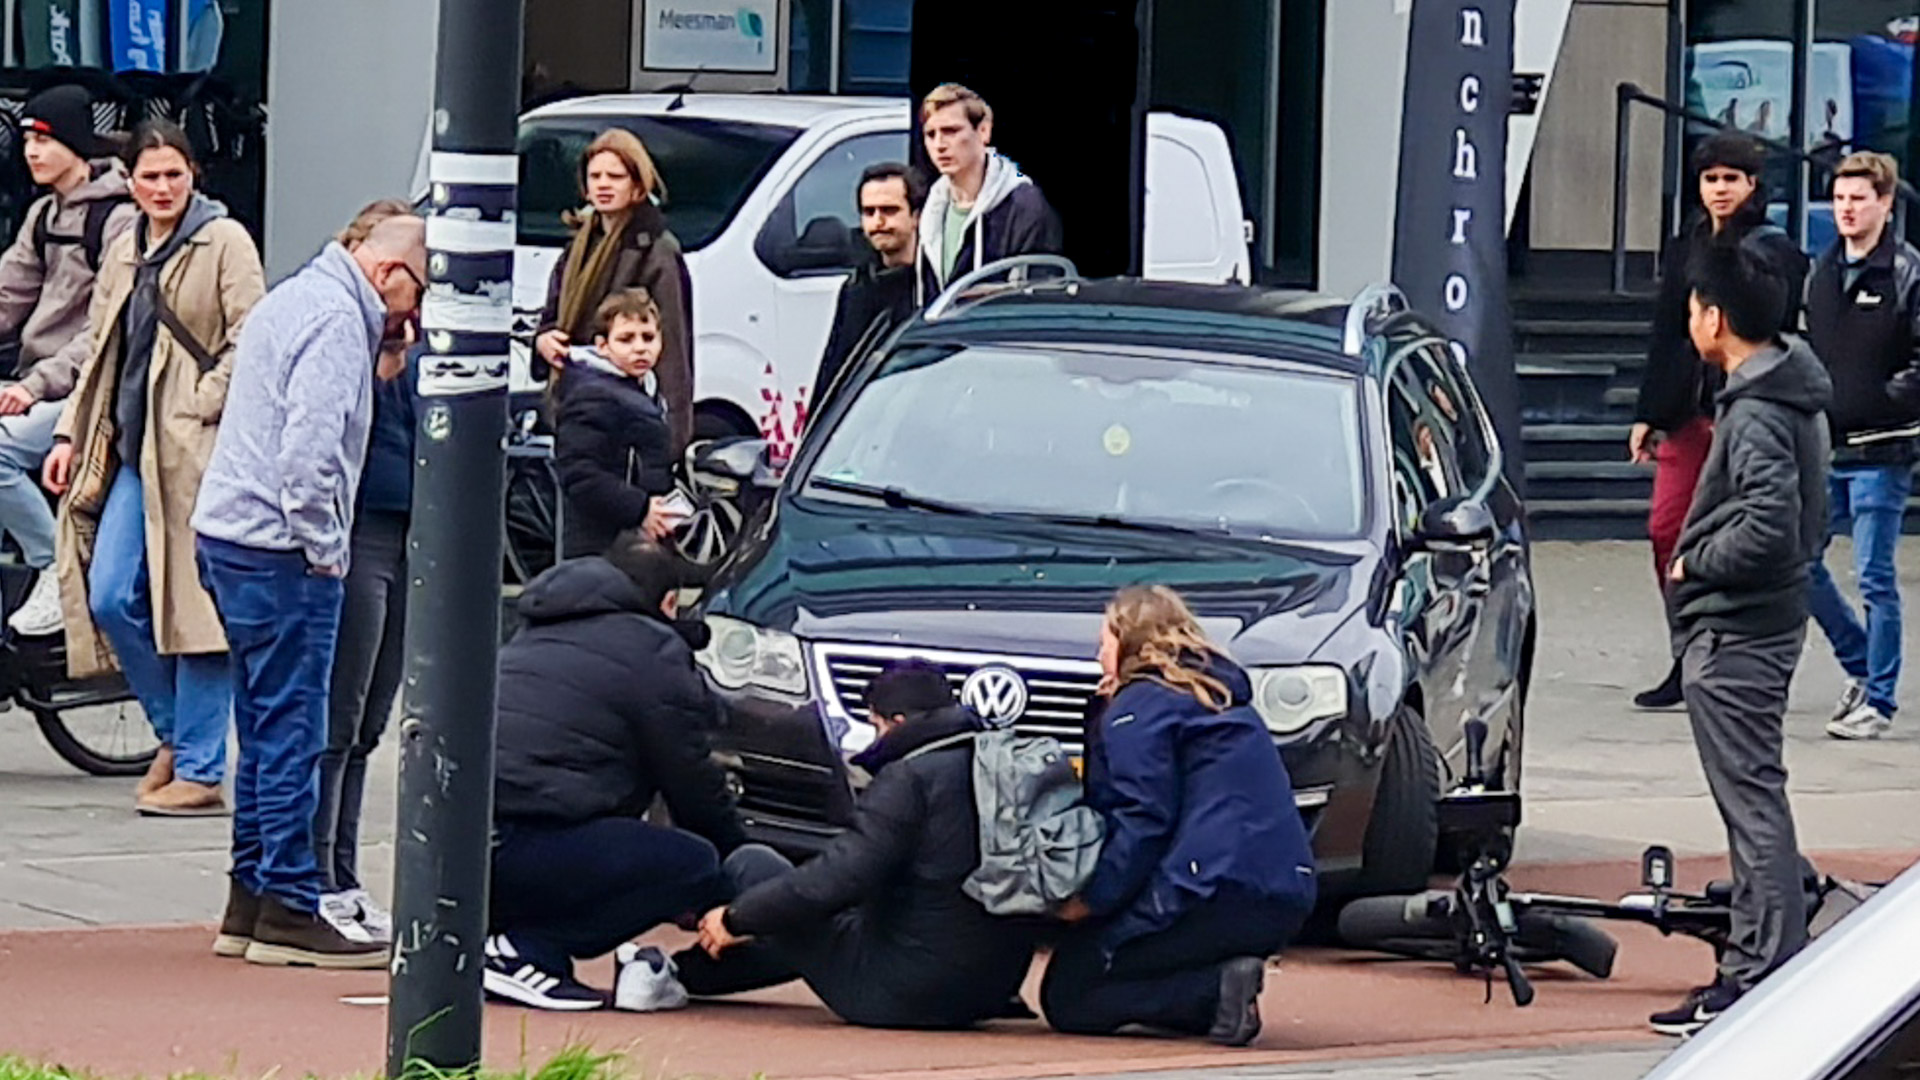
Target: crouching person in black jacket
1206,870
1739,600
877,924
601,710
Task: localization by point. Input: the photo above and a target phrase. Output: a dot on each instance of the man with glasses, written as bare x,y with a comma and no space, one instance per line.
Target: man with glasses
274,518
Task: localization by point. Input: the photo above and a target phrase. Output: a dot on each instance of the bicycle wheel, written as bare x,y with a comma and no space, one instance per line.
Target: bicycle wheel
100,738
533,494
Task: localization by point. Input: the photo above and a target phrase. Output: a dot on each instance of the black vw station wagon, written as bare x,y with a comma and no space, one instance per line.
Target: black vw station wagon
1318,478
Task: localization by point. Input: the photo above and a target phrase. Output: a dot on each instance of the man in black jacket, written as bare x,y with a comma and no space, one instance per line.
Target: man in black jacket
877,924
1740,603
982,209
1672,425
879,294
601,710
1863,320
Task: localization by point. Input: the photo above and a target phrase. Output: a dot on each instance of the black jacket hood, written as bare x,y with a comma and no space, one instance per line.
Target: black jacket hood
1786,374
581,588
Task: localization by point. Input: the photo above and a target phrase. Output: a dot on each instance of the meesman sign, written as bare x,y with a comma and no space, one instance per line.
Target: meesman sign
710,35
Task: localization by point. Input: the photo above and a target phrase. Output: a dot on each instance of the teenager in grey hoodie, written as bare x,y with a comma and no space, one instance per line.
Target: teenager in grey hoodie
46,280
274,519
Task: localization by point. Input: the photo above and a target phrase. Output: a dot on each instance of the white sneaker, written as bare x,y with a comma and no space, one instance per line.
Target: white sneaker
376,919
648,981
1865,722
342,912
1854,696
40,613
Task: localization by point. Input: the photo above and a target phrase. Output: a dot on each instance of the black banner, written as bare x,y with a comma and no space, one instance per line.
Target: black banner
1450,235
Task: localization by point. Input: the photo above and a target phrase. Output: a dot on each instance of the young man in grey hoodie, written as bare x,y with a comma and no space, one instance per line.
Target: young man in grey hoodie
46,282
983,208
1739,577
274,516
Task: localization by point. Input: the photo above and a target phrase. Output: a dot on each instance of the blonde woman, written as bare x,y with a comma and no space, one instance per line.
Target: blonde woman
1206,870
621,242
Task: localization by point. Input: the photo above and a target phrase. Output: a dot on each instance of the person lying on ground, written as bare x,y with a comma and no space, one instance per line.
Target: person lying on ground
877,924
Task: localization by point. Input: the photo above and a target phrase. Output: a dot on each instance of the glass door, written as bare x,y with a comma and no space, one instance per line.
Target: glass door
1745,60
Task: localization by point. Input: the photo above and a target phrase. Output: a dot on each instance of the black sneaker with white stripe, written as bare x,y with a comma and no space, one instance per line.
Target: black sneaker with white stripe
1701,1007
510,977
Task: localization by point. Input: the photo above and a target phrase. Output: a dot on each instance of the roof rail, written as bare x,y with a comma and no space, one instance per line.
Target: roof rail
1014,268
1374,300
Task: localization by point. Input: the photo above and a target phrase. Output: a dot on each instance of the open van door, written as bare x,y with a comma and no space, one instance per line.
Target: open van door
1196,227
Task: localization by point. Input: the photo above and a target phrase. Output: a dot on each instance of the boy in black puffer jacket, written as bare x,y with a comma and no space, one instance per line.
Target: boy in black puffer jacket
613,443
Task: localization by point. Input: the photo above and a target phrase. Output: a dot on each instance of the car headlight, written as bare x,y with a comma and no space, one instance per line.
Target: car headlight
1289,699
742,654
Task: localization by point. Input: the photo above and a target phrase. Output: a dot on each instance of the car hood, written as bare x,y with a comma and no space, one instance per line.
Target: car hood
912,578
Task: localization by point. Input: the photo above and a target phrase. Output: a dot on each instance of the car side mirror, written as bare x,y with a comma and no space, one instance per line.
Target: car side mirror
1455,525
736,459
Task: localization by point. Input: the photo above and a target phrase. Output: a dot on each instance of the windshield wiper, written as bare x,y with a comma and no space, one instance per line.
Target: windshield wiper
895,497
1111,521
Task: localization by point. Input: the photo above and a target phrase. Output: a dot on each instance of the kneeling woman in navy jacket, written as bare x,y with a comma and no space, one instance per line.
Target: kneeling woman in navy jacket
1206,870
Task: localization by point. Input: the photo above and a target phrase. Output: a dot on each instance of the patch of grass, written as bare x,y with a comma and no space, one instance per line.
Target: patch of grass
572,1063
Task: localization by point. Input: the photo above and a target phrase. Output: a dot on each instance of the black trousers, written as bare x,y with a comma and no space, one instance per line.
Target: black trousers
1168,980
570,892
839,961
368,661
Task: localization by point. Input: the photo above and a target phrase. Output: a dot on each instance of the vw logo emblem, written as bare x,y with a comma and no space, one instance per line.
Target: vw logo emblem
997,694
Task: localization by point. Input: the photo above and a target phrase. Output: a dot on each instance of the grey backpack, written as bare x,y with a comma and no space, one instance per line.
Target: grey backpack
1038,844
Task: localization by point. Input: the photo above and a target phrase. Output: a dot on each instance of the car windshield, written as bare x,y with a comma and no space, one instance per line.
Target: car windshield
708,166
1113,439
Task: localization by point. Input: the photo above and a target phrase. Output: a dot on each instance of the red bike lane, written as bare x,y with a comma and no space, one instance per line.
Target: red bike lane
155,1001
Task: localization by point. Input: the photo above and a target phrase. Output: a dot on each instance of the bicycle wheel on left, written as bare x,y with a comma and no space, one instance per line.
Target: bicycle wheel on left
101,738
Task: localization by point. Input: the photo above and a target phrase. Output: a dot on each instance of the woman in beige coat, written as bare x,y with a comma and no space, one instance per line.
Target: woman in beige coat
128,457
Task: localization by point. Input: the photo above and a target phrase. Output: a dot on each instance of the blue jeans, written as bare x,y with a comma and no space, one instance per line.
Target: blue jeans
281,622
187,698
24,510
1873,498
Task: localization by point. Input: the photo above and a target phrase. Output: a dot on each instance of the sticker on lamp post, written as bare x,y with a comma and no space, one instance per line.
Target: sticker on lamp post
467,315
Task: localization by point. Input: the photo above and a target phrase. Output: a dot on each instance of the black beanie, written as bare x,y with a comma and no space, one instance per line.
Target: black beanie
64,114
1731,150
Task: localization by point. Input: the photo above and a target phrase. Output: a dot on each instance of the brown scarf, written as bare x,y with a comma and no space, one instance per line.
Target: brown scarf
590,259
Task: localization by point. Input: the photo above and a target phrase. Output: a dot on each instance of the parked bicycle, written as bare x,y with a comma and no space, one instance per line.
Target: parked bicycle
95,725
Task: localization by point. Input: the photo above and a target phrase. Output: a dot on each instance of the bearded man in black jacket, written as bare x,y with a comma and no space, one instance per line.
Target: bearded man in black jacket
877,924
878,295
1673,415
601,710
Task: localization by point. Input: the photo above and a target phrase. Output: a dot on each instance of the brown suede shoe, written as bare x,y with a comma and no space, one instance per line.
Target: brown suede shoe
184,798
285,937
159,774
236,926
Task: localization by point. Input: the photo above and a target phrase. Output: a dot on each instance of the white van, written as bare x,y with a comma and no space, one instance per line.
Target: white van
761,193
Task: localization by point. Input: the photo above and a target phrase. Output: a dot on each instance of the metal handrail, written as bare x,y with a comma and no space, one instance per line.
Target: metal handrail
1626,96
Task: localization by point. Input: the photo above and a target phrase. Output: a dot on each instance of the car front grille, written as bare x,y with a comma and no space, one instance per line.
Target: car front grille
1057,691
